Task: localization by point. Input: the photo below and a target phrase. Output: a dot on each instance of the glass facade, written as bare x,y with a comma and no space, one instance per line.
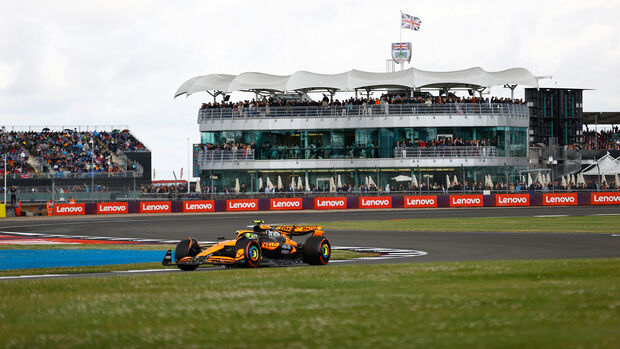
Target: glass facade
363,143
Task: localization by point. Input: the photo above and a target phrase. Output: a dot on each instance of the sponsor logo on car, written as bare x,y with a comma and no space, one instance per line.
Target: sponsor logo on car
112,207
69,209
242,205
199,206
420,201
512,200
155,206
560,199
336,203
605,198
466,201
375,202
285,204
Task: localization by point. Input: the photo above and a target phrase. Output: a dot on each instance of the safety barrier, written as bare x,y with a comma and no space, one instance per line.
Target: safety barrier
343,203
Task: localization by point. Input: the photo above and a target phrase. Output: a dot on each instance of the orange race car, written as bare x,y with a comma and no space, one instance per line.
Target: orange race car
263,245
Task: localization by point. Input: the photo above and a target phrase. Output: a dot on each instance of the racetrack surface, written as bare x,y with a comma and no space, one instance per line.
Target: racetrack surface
441,246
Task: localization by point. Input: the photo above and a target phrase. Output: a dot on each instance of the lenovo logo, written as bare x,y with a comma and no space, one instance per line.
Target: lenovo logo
112,207
560,199
375,202
512,200
242,205
155,206
466,200
605,198
420,201
199,206
286,204
330,203
69,209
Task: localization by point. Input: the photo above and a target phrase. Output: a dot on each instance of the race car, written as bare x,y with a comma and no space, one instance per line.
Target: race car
261,246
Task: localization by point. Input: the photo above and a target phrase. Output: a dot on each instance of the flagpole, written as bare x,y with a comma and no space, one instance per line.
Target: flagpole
402,65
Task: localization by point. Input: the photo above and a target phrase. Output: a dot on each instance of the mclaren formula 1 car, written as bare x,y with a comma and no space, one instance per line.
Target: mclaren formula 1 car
263,245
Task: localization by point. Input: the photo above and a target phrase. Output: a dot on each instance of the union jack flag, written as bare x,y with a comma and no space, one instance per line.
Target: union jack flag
409,22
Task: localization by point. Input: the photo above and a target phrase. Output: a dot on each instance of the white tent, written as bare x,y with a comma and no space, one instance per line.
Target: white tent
293,184
260,183
300,185
332,186
237,186
269,184
280,186
307,184
414,182
529,180
455,181
339,182
401,178
606,165
448,182
198,188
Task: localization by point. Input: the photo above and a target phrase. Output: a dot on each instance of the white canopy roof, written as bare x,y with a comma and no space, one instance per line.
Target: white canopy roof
356,79
607,165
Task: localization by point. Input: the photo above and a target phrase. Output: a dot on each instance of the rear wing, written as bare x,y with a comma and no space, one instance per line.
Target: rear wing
298,230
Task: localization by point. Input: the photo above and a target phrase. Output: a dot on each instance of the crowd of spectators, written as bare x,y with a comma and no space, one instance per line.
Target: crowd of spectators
67,151
445,142
601,140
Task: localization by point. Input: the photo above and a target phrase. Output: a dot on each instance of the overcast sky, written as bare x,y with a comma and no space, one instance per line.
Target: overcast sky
120,62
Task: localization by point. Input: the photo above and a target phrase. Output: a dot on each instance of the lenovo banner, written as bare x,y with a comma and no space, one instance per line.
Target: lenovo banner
155,206
466,201
503,200
605,198
112,207
69,209
375,202
242,205
420,201
330,203
285,204
560,199
199,206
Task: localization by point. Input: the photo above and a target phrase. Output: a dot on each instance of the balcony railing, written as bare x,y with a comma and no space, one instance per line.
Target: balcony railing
510,110
225,155
447,152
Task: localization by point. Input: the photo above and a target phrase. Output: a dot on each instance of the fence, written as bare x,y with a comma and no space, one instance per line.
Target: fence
446,152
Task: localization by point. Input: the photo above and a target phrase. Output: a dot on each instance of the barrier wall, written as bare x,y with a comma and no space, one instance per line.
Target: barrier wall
338,202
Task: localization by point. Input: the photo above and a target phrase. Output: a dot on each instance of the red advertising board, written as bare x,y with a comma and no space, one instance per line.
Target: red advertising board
560,199
466,201
605,198
375,202
336,203
242,205
69,209
155,206
199,206
504,200
285,204
112,207
420,201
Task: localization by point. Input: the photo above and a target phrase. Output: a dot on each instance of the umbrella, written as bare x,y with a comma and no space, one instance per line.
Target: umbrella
198,189
455,181
300,185
293,184
401,178
339,182
366,180
616,181
537,179
371,182
572,180
447,181
307,185
332,186
260,183
269,184
237,186
529,180
414,182
280,186
564,184
490,182
603,179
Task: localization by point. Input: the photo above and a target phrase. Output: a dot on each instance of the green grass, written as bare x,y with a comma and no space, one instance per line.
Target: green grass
576,224
509,304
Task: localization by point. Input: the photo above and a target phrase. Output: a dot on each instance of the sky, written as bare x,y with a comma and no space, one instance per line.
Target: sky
118,63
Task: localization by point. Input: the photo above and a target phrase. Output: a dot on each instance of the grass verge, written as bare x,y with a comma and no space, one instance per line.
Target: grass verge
548,303
574,224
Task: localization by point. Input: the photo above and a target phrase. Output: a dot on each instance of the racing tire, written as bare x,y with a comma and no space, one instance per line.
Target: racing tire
252,253
317,250
185,248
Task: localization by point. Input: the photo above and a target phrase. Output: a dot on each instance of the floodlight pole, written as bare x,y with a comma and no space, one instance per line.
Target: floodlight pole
5,175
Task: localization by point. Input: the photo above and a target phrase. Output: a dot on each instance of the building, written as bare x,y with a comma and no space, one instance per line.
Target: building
357,142
555,113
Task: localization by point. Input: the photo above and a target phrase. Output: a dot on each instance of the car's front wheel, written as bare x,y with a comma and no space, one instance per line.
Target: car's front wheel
186,248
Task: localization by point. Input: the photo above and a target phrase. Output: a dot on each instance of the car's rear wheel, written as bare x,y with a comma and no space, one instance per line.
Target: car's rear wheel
186,248
252,253
317,250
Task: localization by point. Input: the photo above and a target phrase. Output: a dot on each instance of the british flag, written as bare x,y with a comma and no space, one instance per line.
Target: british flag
409,22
